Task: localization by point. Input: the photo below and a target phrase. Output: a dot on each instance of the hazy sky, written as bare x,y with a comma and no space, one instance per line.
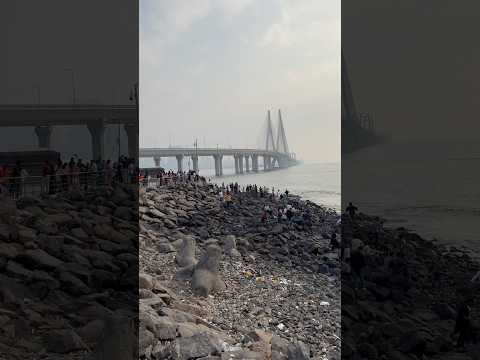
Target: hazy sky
98,40
210,69
414,65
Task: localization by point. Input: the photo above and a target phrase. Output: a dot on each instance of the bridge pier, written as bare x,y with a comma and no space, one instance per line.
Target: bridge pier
44,134
255,163
240,164
157,159
267,163
97,132
132,138
247,163
274,160
237,164
179,163
283,162
195,163
218,165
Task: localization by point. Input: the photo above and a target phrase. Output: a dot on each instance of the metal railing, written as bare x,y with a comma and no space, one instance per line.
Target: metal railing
34,186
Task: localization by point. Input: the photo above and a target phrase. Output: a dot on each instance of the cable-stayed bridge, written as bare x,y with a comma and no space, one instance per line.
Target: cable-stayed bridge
273,154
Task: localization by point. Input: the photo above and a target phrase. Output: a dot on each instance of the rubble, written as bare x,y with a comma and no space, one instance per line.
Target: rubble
68,263
257,289
413,287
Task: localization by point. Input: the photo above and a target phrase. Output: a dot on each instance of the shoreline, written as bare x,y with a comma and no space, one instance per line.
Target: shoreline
412,290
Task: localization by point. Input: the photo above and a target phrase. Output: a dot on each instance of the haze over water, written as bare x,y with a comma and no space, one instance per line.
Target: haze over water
428,187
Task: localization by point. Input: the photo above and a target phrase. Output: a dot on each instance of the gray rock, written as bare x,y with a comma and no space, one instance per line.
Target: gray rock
42,259
206,278
120,342
298,351
92,331
186,255
73,284
123,212
79,233
197,346
16,270
242,355
63,341
230,246
165,247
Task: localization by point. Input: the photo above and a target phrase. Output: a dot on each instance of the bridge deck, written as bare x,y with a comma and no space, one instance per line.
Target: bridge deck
55,114
169,152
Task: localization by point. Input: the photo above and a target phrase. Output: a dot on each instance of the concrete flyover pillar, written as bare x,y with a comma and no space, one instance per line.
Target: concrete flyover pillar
237,164
132,137
195,163
240,164
267,164
97,132
218,165
179,163
44,134
272,163
157,160
247,163
255,162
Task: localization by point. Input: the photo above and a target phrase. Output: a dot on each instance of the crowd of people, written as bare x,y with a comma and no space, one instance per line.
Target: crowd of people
62,176
357,256
161,177
280,212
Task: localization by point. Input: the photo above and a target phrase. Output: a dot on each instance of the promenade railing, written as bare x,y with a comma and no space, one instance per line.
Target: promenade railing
34,186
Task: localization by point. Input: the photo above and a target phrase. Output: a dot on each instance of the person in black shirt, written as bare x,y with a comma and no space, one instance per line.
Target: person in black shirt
357,263
351,209
334,244
463,325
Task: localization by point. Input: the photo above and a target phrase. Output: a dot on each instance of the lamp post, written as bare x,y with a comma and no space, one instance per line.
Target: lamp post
74,98
134,98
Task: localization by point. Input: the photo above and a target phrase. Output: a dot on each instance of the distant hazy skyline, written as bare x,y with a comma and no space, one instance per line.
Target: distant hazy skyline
210,69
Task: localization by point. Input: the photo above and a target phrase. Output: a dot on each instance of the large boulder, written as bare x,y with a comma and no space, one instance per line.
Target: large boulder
206,278
186,255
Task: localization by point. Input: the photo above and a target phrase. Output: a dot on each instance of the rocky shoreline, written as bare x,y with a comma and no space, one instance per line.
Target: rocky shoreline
69,275
413,288
280,297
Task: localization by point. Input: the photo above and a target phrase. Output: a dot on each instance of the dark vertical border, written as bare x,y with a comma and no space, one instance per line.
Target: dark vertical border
69,233
409,167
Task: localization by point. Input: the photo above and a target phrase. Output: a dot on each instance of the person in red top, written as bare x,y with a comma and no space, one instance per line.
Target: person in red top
3,175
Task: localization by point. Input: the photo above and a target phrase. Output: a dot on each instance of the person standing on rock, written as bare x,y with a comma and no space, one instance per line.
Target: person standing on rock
333,241
463,325
351,209
23,176
228,199
357,264
289,213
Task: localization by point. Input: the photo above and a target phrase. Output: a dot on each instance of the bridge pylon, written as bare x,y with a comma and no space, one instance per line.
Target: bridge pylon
282,145
269,143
